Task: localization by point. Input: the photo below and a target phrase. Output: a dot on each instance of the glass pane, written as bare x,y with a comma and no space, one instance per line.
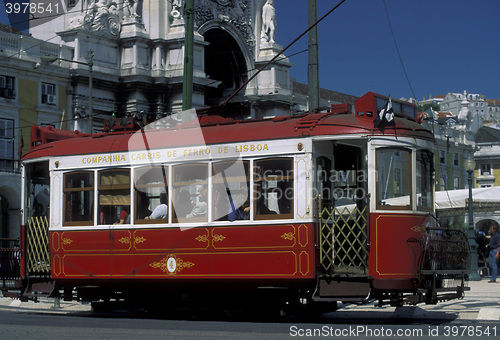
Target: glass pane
151,186
114,196
424,179
393,178
79,197
231,191
114,178
273,188
190,192
37,189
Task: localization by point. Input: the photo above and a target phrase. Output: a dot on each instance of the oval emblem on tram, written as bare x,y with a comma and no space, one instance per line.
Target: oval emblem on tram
171,264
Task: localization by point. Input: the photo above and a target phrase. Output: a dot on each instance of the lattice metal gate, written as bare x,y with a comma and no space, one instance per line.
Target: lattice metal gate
344,238
37,247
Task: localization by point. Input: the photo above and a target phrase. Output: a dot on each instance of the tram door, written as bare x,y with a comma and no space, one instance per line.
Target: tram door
343,210
36,218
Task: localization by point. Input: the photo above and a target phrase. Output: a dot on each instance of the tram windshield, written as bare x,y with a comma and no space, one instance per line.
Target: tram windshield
395,172
394,178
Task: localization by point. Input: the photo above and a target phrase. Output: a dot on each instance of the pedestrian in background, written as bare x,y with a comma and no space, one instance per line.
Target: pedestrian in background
494,249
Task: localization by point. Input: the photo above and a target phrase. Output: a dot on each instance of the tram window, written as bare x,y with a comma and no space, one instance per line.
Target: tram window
424,180
37,189
230,191
79,198
190,194
393,179
273,194
114,196
151,194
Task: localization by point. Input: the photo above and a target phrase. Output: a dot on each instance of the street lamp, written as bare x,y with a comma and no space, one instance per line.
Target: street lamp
470,166
47,59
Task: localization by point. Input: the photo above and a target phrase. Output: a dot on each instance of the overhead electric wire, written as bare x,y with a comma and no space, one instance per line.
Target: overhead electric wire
397,49
279,54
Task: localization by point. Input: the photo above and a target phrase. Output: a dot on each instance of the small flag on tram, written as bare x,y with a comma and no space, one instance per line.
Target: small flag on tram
385,117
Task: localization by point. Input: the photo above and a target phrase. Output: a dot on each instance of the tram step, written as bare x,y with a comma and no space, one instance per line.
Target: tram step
39,289
333,290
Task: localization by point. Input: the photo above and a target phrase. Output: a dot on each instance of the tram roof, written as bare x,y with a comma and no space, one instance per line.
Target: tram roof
217,130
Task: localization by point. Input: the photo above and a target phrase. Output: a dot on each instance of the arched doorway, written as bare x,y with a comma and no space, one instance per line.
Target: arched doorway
484,225
224,62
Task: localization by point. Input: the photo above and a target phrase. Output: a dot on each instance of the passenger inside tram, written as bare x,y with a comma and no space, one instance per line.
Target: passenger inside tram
200,207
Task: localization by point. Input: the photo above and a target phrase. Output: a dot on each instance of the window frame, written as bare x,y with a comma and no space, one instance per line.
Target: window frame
430,156
114,188
380,206
230,179
7,87
110,196
257,216
165,169
44,98
7,155
67,190
175,184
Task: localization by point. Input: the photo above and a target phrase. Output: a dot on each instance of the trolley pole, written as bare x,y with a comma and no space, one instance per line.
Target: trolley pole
313,61
187,86
91,65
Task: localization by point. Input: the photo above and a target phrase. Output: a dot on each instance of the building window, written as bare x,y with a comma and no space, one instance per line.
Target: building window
442,157
6,144
485,169
456,183
7,87
456,159
48,94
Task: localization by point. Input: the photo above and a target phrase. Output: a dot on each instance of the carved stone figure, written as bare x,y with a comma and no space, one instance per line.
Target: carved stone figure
177,7
268,22
100,16
134,10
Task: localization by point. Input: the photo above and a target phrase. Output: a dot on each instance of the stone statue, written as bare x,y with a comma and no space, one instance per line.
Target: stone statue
100,16
463,114
268,22
177,6
134,10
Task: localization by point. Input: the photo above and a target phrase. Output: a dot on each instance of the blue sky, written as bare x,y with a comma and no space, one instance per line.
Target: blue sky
446,46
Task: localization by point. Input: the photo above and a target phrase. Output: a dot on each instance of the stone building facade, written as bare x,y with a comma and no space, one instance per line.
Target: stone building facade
138,57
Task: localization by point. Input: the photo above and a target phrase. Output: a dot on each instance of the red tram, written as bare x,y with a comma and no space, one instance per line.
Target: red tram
313,209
